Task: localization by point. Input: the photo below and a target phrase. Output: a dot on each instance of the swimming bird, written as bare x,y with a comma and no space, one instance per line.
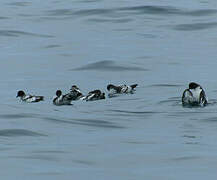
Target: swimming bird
75,93
94,95
194,95
29,98
60,99
121,89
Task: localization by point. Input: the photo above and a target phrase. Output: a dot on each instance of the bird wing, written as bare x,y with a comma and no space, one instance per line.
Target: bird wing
202,99
187,96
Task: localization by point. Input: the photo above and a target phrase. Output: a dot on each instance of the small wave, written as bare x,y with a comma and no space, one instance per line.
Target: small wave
151,36
195,26
88,1
189,136
87,122
168,10
164,85
210,119
17,116
38,157
172,102
88,12
18,132
202,12
60,12
127,11
162,10
115,12
193,111
15,33
108,66
212,102
2,18
79,13
49,152
19,4
122,14
136,112
186,158
52,46
25,15
84,162
139,142
98,20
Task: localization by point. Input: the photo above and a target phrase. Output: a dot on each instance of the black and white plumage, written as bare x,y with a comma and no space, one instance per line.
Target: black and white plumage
61,99
29,98
121,89
75,93
194,95
94,95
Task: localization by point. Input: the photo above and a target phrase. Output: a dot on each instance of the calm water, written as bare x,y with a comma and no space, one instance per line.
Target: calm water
161,45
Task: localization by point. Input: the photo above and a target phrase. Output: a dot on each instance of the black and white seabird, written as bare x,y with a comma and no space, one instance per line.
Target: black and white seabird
120,89
61,99
75,93
194,95
94,95
29,98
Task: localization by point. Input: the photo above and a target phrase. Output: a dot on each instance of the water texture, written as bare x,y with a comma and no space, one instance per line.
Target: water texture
160,45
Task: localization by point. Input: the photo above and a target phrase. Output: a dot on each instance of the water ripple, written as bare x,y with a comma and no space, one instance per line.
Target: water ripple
126,113
15,33
19,132
108,66
22,3
84,162
52,46
164,85
162,10
86,122
195,26
2,17
202,12
126,11
135,112
186,158
37,156
98,20
18,116
176,101
210,119
168,10
89,12
189,136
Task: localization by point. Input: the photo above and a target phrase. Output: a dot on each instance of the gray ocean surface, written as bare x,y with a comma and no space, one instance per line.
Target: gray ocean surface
161,45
